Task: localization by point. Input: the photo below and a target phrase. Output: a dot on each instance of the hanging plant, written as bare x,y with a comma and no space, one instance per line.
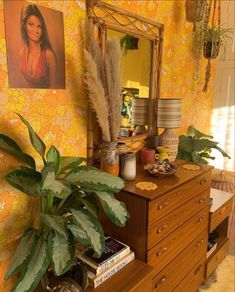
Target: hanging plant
129,42
214,38
195,10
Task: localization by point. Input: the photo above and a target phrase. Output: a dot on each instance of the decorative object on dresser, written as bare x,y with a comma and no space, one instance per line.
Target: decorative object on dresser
168,227
102,79
139,116
196,146
69,196
109,21
168,117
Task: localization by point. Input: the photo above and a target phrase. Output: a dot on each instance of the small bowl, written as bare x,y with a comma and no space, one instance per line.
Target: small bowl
148,167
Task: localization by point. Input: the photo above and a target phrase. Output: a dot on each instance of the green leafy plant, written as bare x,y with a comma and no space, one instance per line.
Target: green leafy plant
196,146
215,37
128,42
70,195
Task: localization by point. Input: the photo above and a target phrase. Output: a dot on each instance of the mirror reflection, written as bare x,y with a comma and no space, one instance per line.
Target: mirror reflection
136,70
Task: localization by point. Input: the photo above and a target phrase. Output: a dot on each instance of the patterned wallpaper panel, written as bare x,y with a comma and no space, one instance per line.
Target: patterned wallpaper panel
60,116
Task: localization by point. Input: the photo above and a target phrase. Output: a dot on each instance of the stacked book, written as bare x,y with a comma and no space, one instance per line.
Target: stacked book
116,255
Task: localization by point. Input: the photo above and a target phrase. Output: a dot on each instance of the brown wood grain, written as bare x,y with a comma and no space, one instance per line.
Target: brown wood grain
217,258
166,225
164,252
220,214
175,271
194,278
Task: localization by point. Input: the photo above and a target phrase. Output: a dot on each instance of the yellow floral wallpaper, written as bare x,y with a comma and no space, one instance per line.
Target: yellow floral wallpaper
60,116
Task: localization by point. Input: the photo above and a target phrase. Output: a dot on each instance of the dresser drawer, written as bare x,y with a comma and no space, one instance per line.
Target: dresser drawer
220,214
194,278
164,252
217,259
163,227
176,270
173,199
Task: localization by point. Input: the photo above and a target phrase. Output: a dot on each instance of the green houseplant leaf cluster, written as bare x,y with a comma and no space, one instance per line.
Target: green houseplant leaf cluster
214,37
197,146
70,196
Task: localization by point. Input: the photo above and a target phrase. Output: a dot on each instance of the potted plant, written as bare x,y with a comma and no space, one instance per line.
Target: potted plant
70,195
129,42
196,146
194,10
214,37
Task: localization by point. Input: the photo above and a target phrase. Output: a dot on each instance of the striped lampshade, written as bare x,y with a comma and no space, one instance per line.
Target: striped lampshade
169,113
140,111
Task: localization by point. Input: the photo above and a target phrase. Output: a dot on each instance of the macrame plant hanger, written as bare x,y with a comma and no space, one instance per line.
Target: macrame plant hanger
208,67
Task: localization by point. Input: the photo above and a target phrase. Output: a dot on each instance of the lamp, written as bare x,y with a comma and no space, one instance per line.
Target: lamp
139,115
168,117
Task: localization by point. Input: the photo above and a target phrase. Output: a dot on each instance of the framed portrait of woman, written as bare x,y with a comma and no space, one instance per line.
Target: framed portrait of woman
35,46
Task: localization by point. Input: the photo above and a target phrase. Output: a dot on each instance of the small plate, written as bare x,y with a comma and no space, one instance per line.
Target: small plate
147,167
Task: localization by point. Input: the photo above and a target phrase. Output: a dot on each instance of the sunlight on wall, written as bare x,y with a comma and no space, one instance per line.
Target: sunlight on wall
223,118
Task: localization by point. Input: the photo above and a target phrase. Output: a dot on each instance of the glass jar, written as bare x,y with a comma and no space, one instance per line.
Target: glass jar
109,161
128,166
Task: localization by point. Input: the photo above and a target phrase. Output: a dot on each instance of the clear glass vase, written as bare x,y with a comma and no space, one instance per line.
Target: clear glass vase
109,161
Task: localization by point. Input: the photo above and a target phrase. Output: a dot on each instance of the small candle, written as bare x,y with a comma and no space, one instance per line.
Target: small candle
147,155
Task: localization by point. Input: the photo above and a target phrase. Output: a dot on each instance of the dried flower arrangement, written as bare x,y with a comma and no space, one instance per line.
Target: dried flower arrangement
103,82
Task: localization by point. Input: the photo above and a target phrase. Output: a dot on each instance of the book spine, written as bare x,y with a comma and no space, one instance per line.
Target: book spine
107,274
112,261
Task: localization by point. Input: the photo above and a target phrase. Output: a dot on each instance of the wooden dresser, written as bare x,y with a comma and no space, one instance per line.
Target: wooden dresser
168,227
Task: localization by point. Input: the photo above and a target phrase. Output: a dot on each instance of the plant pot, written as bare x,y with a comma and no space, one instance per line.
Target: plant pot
109,161
211,49
195,10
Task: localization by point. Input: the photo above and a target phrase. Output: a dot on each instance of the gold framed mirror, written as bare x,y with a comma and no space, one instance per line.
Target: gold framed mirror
141,40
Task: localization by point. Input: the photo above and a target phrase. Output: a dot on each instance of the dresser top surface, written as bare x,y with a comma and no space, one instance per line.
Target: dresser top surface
164,184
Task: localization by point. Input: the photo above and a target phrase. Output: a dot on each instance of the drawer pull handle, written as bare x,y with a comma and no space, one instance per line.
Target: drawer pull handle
162,251
203,181
222,211
163,205
199,242
162,228
201,218
197,269
201,201
162,280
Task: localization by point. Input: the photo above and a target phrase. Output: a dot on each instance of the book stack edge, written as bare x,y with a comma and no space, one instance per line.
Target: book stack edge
116,255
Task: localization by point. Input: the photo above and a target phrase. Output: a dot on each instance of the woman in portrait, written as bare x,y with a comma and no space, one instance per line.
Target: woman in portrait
38,63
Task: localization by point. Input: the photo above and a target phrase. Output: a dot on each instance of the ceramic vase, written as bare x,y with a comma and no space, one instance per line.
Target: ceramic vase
109,161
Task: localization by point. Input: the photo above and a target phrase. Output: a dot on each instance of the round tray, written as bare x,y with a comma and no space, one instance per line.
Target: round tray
161,174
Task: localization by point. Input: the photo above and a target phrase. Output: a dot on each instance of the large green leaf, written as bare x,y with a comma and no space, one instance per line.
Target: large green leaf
36,141
115,210
92,227
198,145
197,134
221,151
53,155
186,143
206,155
49,183
62,252
198,159
94,179
78,234
184,155
10,146
56,223
22,253
71,162
90,205
26,180
35,269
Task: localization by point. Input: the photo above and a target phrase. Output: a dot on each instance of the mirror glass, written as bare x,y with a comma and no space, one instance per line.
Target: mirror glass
136,71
